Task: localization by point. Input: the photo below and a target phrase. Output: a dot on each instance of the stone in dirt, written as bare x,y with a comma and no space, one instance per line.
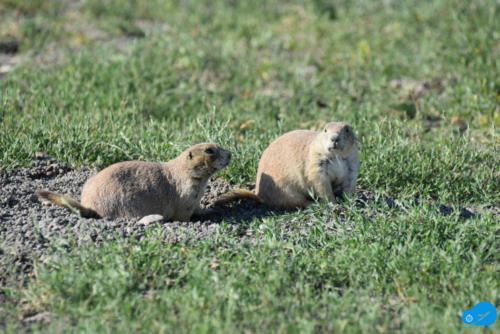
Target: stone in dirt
150,219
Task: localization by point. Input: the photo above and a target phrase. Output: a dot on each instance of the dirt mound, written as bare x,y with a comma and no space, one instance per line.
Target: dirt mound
29,229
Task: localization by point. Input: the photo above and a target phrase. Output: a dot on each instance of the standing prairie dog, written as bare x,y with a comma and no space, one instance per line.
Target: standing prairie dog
325,162
171,189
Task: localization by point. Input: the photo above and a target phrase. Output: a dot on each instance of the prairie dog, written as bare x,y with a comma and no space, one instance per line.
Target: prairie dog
325,162
172,189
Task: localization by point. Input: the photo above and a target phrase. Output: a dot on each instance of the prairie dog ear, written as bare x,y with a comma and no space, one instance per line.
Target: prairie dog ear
190,155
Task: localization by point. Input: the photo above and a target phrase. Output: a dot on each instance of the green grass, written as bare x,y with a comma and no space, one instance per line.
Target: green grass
196,71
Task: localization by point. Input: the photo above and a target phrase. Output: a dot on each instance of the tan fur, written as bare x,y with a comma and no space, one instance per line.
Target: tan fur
302,161
237,194
172,189
68,203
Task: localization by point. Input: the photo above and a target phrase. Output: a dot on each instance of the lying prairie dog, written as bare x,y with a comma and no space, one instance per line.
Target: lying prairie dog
172,189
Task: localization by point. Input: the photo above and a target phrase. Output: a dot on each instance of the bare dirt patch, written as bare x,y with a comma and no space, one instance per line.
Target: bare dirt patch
28,229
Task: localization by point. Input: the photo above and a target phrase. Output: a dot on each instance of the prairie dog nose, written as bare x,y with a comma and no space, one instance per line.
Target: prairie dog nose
336,141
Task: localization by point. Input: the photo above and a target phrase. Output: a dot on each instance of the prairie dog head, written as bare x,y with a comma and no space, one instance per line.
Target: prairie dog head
204,160
338,137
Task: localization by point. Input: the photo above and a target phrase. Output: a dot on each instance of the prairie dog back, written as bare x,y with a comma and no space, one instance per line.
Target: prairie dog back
282,168
137,187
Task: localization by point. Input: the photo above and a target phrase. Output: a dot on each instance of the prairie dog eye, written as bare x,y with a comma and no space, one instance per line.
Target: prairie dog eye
210,151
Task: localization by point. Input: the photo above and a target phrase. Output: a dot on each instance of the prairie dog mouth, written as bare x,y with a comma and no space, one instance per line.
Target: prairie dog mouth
335,146
224,161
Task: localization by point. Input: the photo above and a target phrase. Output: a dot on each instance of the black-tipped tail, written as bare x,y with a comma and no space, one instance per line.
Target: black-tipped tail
68,203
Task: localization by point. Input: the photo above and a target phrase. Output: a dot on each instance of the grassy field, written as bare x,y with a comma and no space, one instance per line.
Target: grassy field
105,81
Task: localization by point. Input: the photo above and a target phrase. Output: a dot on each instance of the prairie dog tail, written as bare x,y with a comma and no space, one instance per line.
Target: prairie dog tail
68,203
237,194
